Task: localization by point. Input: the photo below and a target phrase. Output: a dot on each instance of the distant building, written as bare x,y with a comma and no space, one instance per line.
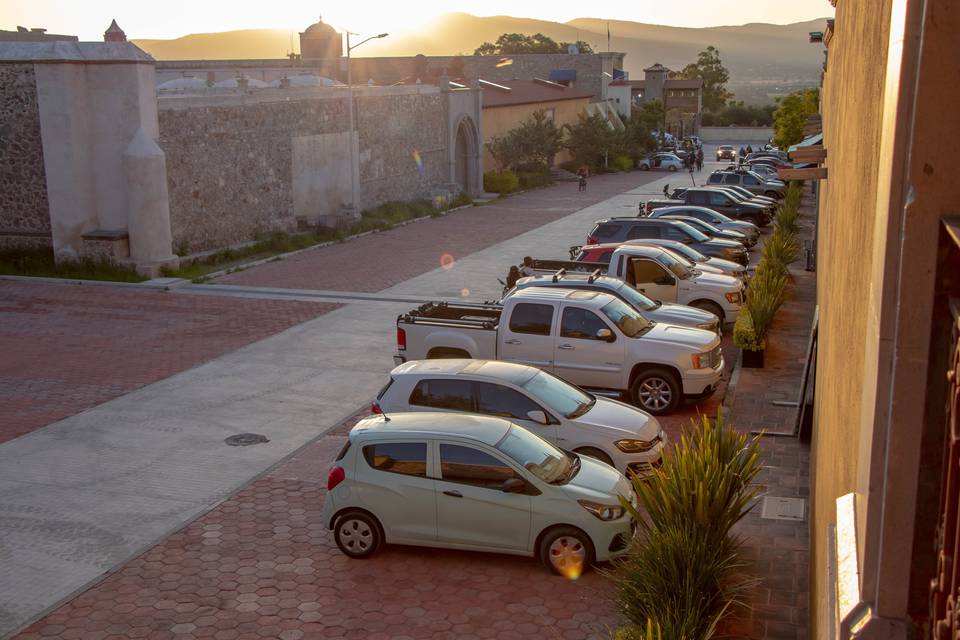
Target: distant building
682,99
320,41
37,34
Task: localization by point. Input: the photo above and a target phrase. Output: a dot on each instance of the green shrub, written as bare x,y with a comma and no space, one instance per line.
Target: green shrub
743,334
622,163
534,179
767,293
650,632
682,574
780,250
500,181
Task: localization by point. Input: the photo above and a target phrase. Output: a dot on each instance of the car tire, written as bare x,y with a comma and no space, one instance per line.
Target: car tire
566,551
644,167
594,453
656,391
672,168
358,534
712,307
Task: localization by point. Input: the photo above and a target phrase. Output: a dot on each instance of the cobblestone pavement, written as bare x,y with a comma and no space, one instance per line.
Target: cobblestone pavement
381,260
67,347
778,550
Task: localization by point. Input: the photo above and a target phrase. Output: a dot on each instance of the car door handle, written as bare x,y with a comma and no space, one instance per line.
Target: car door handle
511,341
453,494
566,347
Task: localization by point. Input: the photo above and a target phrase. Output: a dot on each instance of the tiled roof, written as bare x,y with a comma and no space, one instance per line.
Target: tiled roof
696,83
505,93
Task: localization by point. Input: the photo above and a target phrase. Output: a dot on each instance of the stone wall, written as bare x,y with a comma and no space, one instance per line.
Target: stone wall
24,210
230,159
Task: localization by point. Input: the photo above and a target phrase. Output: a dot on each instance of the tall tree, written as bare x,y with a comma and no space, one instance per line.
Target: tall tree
516,43
709,68
791,116
529,147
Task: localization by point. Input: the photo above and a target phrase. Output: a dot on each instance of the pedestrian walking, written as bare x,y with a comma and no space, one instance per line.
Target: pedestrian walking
749,149
582,179
743,153
700,159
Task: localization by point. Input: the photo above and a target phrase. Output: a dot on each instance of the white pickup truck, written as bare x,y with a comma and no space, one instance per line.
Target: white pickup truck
658,274
589,338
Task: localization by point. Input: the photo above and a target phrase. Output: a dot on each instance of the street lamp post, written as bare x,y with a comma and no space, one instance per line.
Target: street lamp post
354,177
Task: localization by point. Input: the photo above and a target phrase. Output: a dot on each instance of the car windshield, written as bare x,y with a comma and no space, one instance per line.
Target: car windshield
696,234
682,259
538,456
562,397
716,215
637,299
675,263
688,252
631,323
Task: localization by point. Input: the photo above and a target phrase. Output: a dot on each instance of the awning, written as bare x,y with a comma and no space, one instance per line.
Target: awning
563,75
806,142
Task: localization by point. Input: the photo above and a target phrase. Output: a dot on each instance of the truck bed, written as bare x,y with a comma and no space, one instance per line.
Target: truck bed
465,314
538,267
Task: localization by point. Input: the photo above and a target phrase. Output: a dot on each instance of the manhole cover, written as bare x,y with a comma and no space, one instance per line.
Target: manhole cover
783,508
246,439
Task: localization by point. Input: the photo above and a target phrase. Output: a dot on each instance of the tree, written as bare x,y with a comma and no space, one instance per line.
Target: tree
791,116
582,46
710,69
517,43
591,140
530,147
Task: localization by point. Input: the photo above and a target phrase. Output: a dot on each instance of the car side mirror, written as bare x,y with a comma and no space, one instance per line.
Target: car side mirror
665,280
538,416
605,335
513,485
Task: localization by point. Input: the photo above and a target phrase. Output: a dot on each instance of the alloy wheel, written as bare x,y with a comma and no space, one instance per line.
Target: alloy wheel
655,394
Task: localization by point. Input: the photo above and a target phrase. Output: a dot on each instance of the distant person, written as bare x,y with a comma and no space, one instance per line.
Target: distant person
582,179
749,149
700,159
742,153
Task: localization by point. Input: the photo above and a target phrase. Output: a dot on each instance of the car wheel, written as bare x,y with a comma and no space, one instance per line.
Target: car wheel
712,307
566,551
672,168
358,534
596,454
644,167
656,391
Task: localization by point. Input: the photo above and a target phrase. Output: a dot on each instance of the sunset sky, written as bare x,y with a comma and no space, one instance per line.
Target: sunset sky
174,18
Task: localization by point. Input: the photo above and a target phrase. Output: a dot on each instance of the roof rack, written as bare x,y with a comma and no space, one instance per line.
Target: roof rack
593,276
559,274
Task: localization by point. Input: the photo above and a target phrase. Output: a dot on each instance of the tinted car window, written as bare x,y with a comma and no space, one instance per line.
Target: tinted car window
532,318
698,198
750,180
646,271
715,179
580,323
497,400
456,395
675,233
407,458
718,199
605,231
467,465
642,231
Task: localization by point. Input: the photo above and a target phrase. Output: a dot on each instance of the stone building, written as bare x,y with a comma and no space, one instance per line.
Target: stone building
94,162
885,486
682,99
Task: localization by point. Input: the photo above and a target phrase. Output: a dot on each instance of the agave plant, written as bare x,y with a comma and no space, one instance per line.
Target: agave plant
780,250
767,293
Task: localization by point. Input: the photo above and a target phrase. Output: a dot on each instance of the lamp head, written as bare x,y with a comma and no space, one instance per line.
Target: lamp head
383,35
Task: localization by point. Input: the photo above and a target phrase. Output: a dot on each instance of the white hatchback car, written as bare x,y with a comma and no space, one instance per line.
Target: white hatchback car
616,433
475,483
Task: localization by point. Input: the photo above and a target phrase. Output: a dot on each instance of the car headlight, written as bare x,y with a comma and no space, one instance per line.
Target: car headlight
708,326
733,297
604,512
636,446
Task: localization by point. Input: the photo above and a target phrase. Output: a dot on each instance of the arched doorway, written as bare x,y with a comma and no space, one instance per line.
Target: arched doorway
465,156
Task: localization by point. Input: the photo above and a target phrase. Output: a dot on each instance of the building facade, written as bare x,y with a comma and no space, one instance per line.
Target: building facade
885,494
682,99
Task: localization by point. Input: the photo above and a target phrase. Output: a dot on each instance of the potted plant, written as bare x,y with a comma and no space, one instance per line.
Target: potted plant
767,289
746,339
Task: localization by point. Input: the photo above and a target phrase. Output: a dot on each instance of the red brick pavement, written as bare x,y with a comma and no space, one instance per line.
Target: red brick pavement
66,348
381,260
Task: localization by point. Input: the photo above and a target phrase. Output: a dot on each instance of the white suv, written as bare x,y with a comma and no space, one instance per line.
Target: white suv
624,437
475,483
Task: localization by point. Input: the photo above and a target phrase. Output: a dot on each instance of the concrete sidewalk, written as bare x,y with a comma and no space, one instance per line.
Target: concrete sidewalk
83,495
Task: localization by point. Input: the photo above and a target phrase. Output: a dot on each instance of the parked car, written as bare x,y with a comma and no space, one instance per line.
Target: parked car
768,171
757,213
618,230
653,310
726,267
613,432
657,273
752,182
603,253
476,483
661,161
739,193
709,229
714,218
726,152
591,339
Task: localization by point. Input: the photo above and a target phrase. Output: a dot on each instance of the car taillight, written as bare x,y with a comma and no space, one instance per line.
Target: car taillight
648,207
335,477
401,339
592,240
375,408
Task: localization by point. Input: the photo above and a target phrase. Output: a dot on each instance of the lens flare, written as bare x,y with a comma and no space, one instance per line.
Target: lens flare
418,160
504,62
447,261
464,292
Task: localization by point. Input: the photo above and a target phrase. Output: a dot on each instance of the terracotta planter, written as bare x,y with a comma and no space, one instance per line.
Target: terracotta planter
752,359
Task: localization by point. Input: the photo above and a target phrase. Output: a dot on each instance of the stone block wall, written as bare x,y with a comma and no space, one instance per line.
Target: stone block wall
230,159
24,210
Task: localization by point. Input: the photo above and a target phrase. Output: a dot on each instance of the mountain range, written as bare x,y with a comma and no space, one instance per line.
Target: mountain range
765,58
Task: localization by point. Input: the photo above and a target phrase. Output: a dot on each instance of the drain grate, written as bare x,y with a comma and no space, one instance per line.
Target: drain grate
783,508
246,439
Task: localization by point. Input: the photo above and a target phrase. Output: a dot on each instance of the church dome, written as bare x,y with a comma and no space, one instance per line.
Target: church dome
320,28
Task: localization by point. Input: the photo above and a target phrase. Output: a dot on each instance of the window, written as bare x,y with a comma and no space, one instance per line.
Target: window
532,318
605,231
675,233
643,231
497,400
551,114
581,324
698,198
718,199
471,466
750,180
731,178
407,458
605,256
646,271
715,178
456,395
